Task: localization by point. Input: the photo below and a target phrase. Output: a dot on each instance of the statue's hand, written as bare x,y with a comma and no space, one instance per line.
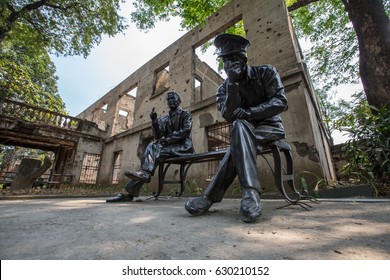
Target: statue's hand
153,115
162,142
241,113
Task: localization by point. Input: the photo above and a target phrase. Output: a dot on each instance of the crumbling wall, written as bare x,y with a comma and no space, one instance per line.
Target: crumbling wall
269,29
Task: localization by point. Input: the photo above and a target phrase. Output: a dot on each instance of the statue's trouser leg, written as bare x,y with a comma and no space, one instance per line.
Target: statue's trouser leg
244,153
222,179
133,187
150,158
239,160
154,152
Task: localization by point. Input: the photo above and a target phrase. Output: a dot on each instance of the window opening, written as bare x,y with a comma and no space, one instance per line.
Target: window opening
89,169
132,92
198,82
123,113
218,138
198,87
162,80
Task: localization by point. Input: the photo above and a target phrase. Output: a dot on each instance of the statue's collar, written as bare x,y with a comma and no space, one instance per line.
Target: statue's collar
176,112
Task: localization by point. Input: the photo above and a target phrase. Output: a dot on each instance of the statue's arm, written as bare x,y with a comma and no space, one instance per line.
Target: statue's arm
156,125
156,129
274,90
228,100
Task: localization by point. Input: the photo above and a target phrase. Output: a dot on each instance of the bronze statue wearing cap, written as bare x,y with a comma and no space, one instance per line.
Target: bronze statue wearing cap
172,133
251,98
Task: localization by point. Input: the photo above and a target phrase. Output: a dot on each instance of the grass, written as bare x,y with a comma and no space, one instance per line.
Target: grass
80,190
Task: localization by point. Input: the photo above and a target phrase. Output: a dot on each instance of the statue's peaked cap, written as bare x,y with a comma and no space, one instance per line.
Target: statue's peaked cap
228,44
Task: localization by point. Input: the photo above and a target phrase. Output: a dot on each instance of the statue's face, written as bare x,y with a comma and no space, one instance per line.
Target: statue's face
173,101
235,67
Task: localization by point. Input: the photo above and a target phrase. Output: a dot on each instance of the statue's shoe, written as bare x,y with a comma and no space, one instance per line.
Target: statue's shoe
120,197
198,206
250,206
138,175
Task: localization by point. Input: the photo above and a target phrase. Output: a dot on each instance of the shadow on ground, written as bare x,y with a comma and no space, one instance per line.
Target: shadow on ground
89,228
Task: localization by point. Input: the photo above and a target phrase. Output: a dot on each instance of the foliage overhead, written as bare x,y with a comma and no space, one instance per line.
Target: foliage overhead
64,27
27,74
192,12
333,56
31,29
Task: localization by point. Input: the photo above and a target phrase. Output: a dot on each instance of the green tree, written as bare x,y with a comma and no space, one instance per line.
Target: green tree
368,150
192,12
347,43
64,27
28,75
31,29
334,50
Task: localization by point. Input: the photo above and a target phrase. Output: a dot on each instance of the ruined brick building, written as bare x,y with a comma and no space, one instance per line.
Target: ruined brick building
124,123
177,68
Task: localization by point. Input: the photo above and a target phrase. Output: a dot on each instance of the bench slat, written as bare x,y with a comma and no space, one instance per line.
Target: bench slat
276,148
195,158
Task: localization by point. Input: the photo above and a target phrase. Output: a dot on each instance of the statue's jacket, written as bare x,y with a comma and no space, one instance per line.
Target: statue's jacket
176,130
261,92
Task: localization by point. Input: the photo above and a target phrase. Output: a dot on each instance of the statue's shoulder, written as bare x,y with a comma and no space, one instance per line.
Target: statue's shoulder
222,87
265,72
264,68
184,112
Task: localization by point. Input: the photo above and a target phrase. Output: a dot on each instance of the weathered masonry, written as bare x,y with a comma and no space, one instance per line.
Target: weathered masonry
126,119
67,137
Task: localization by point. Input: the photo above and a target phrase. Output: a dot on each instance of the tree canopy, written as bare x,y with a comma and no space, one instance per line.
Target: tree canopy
192,12
27,74
65,27
347,43
31,29
334,48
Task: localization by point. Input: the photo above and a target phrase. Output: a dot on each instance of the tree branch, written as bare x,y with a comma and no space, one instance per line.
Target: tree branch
15,15
33,6
10,7
300,4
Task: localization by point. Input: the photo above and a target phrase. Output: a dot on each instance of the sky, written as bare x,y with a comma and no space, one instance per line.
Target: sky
82,81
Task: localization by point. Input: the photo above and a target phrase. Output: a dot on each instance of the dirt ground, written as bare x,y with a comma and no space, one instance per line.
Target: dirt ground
90,228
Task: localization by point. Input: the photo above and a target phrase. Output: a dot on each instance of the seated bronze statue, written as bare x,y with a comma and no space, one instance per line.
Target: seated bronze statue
172,133
251,98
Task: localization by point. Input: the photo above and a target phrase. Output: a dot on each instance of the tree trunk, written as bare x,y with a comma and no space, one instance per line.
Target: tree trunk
372,27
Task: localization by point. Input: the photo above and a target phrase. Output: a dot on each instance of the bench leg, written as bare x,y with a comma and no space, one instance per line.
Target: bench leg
162,171
281,179
183,174
289,177
161,177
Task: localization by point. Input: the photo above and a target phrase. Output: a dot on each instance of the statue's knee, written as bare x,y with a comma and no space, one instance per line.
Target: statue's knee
238,126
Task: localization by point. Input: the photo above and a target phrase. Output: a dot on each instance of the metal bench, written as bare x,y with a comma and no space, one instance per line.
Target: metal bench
283,171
